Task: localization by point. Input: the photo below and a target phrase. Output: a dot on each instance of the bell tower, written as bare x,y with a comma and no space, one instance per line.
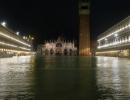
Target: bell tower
84,28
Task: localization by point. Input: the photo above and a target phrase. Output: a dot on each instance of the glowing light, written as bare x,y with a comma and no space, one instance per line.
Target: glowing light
24,48
106,39
11,45
3,24
115,32
115,43
14,39
116,51
17,33
15,51
116,35
129,38
23,37
32,38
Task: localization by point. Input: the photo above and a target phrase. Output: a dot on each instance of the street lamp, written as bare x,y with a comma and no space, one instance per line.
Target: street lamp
3,24
17,33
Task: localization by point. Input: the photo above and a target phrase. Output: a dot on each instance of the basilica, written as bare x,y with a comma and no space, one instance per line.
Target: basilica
57,47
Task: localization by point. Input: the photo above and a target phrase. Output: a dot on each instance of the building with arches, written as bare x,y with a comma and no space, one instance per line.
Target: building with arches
116,40
13,44
57,47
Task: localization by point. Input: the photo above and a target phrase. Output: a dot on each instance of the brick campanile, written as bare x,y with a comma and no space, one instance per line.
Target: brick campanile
84,35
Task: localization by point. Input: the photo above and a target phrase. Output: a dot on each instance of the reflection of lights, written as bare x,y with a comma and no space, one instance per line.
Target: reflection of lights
12,38
114,77
3,24
8,65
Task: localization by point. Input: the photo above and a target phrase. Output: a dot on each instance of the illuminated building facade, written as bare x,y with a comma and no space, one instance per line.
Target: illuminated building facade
116,40
84,35
12,44
58,47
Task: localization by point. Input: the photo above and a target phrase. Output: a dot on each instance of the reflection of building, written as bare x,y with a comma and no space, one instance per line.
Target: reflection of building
110,73
116,40
59,47
84,37
12,44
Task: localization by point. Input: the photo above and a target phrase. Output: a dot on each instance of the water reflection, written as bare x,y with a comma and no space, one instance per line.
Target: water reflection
64,78
15,78
113,79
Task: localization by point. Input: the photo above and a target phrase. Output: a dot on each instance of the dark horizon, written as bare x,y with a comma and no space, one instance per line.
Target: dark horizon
47,20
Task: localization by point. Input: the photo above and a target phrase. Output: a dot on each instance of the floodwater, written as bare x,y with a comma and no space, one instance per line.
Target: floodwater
64,78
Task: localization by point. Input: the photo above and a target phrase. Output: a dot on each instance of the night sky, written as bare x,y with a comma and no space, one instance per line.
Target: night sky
48,19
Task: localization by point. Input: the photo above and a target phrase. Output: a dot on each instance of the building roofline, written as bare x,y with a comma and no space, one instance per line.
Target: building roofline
109,30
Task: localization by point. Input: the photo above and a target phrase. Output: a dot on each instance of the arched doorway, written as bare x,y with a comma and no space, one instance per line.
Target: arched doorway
51,52
46,52
59,49
65,52
70,52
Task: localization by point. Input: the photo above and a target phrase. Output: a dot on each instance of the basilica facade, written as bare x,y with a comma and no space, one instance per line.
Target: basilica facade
58,47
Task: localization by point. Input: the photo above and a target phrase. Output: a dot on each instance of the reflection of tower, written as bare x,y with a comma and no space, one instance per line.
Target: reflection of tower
84,37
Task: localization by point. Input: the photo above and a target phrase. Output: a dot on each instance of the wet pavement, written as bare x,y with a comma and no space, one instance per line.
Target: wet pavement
64,78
